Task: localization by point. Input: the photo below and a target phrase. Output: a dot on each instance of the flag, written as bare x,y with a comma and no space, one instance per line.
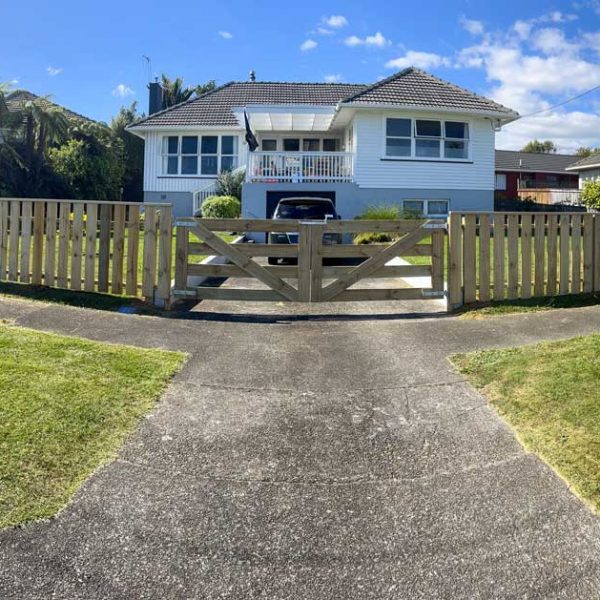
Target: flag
250,137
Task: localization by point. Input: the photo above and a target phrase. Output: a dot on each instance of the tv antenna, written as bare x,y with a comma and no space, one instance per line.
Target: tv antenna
148,64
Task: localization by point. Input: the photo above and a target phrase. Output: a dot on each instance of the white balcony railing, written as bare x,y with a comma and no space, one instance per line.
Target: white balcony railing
300,167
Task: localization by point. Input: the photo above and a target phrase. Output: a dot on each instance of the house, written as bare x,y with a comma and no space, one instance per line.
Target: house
18,98
410,139
587,168
537,175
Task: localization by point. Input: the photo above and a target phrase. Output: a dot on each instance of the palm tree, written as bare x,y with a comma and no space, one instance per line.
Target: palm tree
174,92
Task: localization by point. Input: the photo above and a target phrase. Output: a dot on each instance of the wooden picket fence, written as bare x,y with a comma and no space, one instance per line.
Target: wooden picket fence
87,245
511,256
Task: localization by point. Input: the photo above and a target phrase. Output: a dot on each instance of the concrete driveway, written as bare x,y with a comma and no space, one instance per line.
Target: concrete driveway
324,453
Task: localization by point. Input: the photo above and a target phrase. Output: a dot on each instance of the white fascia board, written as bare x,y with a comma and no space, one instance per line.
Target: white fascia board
142,129
530,170
583,167
501,116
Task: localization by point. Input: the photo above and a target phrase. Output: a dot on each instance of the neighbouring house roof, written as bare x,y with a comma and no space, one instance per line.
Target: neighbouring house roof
509,160
589,162
410,87
15,100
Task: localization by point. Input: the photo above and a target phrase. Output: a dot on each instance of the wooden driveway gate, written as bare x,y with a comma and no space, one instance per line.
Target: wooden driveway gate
326,262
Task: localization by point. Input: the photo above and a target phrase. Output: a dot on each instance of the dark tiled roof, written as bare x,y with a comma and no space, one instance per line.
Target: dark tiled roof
413,87
214,108
509,160
588,162
18,98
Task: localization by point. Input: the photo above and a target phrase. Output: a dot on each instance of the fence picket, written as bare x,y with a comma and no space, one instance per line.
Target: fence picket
104,247
50,262
438,238
77,246
596,253
181,257
26,225
149,264
526,225
39,215
165,227
513,257
64,223
118,250
540,253
588,253
484,257
455,293
133,243
552,255
3,237
469,259
91,231
499,231
13,248
563,287
575,254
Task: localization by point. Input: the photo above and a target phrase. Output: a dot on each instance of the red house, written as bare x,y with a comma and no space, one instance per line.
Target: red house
518,174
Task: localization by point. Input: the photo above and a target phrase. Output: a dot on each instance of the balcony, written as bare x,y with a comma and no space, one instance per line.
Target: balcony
300,167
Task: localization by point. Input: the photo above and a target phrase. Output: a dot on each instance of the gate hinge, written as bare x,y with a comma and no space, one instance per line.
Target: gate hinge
433,294
435,226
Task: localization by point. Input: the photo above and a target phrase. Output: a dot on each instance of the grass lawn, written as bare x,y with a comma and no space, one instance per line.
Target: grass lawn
549,394
66,406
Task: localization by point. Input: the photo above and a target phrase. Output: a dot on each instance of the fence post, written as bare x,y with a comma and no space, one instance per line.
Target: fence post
165,246
304,261
455,291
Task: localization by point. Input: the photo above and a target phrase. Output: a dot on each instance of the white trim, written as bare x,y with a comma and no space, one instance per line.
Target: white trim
583,167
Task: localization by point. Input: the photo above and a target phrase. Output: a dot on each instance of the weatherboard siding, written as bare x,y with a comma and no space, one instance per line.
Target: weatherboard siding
155,181
373,172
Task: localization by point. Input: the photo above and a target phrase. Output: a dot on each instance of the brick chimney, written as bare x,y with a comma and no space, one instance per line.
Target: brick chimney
155,97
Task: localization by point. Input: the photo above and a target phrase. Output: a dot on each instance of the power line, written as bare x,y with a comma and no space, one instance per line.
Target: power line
543,110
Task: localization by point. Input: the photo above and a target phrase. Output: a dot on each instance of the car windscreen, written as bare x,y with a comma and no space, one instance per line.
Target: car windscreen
310,210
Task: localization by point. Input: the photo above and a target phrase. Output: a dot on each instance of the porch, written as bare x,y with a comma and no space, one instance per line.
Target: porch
300,167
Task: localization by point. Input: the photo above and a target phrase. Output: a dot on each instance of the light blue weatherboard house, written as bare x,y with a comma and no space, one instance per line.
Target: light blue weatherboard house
410,139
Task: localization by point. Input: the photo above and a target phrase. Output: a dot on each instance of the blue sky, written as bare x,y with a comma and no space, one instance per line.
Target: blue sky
527,55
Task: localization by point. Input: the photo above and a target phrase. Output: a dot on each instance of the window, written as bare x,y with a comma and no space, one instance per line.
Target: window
330,145
291,145
311,145
269,145
426,138
229,152
500,181
398,140
430,208
199,155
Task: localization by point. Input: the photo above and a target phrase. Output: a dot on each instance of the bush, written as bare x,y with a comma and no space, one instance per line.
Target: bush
229,183
381,211
221,207
385,212
374,238
590,194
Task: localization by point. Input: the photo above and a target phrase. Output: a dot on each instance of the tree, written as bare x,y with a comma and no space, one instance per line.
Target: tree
585,151
90,165
536,146
590,194
174,91
133,153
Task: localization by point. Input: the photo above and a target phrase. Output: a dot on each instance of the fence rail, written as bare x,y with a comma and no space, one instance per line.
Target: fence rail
87,245
510,256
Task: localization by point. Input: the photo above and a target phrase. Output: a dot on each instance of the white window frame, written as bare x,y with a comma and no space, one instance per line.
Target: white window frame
426,201
500,177
164,154
442,139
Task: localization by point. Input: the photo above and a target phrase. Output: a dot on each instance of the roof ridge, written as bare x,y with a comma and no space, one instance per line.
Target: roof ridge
537,153
378,84
188,101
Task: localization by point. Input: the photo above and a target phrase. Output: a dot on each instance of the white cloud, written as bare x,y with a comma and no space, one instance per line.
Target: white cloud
551,40
376,40
226,35
335,21
53,71
336,78
308,45
323,31
122,91
422,60
472,26
523,28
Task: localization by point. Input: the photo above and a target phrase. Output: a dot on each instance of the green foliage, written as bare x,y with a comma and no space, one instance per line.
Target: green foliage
133,153
229,183
374,238
221,207
90,168
382,212
537,146
175,92
590,194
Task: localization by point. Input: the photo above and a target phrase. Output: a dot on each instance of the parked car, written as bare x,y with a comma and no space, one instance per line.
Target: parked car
302,209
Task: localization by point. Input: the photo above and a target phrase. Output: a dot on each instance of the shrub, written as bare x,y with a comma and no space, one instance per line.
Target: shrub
374,238
221,207
590,194
229,183
381,211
